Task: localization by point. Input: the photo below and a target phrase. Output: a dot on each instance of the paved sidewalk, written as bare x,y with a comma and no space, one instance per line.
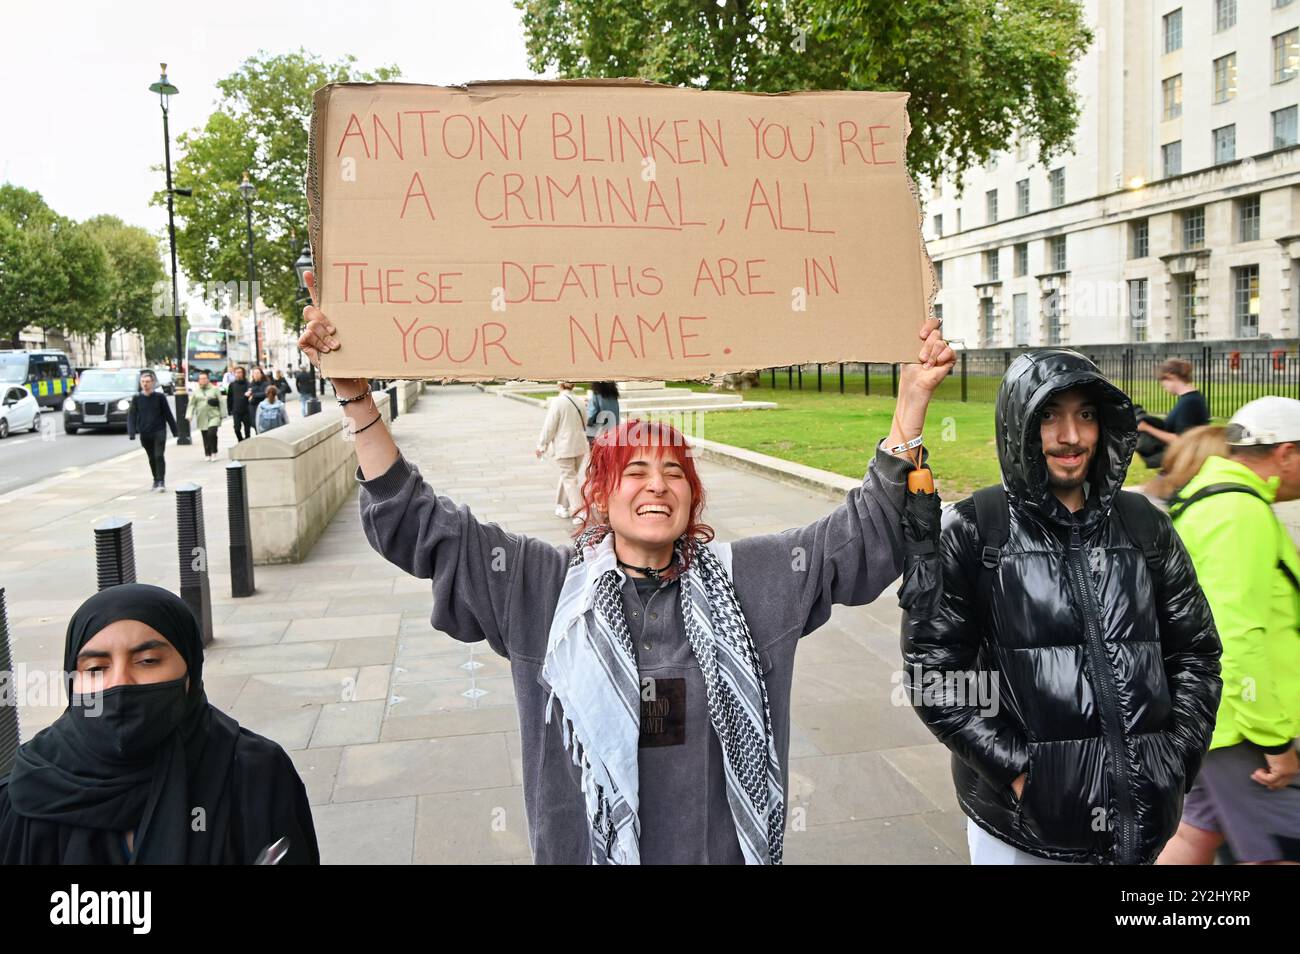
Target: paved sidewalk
407,739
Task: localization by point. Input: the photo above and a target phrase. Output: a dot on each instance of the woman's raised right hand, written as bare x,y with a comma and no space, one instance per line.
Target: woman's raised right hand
319,336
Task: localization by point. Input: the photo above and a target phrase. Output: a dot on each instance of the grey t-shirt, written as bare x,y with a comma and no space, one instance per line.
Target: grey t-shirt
489,583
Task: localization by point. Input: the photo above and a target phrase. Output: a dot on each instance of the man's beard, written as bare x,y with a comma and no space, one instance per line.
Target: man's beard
1070,483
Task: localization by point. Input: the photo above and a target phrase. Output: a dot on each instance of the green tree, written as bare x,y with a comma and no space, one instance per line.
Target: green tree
137,268
980,72
54,274
260,126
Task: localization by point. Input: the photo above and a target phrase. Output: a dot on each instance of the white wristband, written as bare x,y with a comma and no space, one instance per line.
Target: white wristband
916,441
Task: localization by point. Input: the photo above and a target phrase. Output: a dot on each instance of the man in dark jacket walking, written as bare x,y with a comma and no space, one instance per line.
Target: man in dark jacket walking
1079,605
150,416
237,404
306,382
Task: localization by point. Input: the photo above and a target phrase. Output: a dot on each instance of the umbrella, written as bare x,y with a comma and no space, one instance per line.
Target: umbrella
922,587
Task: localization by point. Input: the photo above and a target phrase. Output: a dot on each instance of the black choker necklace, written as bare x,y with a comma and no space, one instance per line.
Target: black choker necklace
649,571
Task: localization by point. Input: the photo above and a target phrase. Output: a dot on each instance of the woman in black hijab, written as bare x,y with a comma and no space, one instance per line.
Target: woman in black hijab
147,771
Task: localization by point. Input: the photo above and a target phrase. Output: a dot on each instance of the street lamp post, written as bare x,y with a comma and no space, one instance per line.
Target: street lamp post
165,90
302,266
246,189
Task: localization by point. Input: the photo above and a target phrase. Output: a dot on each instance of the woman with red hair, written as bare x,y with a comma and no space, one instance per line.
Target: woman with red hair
651,664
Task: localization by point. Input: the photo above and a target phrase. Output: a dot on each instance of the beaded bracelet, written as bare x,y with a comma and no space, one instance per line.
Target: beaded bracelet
916,441
343,402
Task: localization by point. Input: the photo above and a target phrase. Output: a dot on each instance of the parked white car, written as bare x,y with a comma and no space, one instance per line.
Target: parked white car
18,410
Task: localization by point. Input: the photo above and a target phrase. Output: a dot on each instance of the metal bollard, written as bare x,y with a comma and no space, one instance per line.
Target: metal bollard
392,403
313,406
9,729
114,552
192,549
241,543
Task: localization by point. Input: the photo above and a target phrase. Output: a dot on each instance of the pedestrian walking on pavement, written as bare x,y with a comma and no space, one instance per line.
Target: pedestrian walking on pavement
1247,792
140,754
1076,610
306,382
271,412
204,413
651,664
602,409
150,417
282,384
237,404
257,386
564,437
1190,410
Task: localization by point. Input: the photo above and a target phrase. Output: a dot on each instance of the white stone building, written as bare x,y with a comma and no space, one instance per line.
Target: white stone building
1177,217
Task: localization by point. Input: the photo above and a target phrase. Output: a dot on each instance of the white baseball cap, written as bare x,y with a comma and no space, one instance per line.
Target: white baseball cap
1266,420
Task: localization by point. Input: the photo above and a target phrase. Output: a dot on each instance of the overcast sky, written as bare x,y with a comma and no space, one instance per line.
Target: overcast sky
80,126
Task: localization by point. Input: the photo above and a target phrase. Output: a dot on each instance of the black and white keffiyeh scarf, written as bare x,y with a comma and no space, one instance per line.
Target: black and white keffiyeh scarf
591,668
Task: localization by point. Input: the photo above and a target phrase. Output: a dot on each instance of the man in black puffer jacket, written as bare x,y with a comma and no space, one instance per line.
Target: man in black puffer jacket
1100,649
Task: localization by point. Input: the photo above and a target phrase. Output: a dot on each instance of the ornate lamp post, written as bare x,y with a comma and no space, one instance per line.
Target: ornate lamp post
165,91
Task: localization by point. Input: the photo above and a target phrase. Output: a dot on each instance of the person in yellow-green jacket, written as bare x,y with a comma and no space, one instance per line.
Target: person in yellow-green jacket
1247,792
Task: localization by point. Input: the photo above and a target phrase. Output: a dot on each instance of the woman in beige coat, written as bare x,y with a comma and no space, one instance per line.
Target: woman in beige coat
564,435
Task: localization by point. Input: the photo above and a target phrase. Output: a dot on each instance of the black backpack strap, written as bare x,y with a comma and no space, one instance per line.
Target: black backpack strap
1141,523
1178,504
993,521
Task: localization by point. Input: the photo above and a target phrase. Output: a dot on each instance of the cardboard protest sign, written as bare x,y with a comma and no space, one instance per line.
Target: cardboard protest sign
611,230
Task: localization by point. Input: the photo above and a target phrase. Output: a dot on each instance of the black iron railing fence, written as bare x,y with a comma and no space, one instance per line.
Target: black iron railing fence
1228,376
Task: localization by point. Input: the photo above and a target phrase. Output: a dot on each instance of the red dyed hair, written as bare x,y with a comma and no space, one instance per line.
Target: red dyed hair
610,453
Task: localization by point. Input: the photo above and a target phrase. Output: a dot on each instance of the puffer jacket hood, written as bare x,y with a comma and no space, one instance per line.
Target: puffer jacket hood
1101,661
1029,383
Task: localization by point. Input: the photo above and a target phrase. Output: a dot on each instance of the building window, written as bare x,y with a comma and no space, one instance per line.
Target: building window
1052,316
1022,197
1279,4
1284,128
938,274
1022,260
986,321
1173,24
1186,307
1022,150
938,226
1020,320
1139,239
1056,253
1171,91
991,202
1225,15
991,265
1248,219
1171,158
1137,309
1286,55
959,220
1056,179
1225,144
1225,78
1245,301
1194,228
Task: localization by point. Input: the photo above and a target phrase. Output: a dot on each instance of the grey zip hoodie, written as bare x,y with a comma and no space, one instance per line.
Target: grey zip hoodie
491,584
